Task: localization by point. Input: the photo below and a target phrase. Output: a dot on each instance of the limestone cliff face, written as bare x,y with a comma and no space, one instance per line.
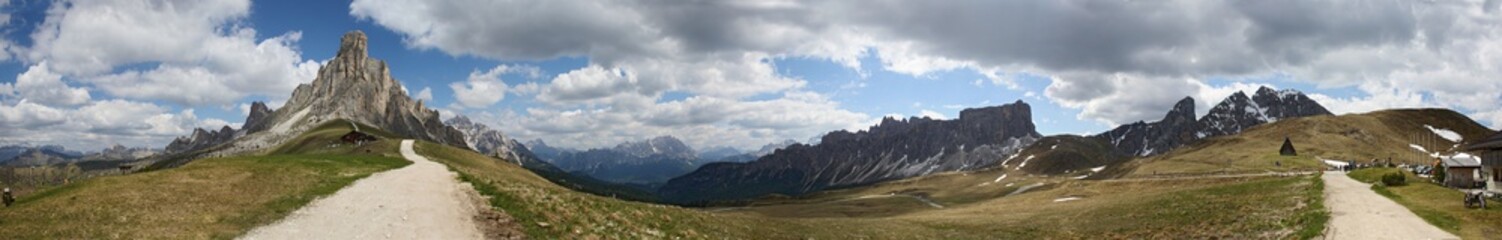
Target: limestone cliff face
358,88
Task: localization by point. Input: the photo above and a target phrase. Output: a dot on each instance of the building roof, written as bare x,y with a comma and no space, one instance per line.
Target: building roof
1461,160
1493,142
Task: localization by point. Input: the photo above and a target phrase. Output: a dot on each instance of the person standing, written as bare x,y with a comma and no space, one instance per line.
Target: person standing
9,198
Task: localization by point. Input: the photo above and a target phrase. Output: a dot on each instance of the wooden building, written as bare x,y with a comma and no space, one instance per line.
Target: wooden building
1490,150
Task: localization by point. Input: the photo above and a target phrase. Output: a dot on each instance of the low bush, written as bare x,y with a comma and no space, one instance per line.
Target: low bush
1394,179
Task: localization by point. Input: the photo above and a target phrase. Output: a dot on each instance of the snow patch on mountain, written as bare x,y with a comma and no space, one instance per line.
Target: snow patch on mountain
1445,133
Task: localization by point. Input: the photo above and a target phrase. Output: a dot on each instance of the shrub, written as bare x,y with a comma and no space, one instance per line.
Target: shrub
1394,179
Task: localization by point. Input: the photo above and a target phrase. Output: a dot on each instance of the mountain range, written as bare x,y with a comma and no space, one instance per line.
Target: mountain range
21,155
358,88
893,149
648,162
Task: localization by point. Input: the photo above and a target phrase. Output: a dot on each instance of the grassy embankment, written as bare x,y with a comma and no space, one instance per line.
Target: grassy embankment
207,198
1438,205
1228,208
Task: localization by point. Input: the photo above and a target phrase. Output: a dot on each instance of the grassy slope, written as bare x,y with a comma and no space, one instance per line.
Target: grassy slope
1363,137
1221,207
1438,205
1064,154
207,198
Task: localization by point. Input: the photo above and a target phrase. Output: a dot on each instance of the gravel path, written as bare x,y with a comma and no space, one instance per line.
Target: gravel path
1358,213
419,201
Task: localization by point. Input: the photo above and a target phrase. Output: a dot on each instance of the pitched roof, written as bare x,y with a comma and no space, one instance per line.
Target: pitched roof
1461,160
1493,142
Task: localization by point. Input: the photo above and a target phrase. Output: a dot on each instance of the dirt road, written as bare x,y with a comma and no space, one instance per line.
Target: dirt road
419,201
1358,213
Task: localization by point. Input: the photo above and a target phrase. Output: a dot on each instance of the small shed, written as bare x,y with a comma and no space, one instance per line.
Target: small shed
1490,150
357,137
1288,148
1461,170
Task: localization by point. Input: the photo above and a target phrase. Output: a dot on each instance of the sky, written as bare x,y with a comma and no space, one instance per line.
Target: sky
589,74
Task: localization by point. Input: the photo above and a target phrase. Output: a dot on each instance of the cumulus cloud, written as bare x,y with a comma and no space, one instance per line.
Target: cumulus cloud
700,121
139,54
98,124
483,89
426,95
1115,61
202,53
40,85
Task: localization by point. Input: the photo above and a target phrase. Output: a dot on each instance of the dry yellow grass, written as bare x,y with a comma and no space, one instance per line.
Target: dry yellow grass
210,198
1376,135
1233,207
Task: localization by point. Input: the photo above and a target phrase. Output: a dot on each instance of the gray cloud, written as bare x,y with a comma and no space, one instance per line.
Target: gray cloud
1116,61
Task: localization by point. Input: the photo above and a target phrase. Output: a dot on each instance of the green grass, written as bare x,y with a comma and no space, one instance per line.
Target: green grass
206,198
209,198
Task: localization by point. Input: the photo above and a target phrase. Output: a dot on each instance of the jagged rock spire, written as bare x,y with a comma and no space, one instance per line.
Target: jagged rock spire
352,45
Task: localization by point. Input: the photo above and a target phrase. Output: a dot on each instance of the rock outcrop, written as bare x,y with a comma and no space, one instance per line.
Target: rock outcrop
201,139
1142,139
894,149
256,120
490,142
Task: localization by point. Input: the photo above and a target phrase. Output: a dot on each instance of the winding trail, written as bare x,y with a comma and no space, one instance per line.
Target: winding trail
420,201
1358,213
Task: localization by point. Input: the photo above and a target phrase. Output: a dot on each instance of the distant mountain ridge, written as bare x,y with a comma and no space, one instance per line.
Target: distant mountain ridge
650,161
893,149
21,155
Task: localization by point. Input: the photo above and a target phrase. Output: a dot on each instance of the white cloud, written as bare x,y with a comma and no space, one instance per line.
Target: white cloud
26,115
98,124
700,121
426,95
40,85
483,89
1116,61
932,114
203,54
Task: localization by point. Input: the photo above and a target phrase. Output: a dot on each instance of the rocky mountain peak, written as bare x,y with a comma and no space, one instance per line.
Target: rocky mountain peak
1264,90
352,86
352,45
256,120
1183,110
201,139
490,142
1239,112
1142,138
661,145
358,88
